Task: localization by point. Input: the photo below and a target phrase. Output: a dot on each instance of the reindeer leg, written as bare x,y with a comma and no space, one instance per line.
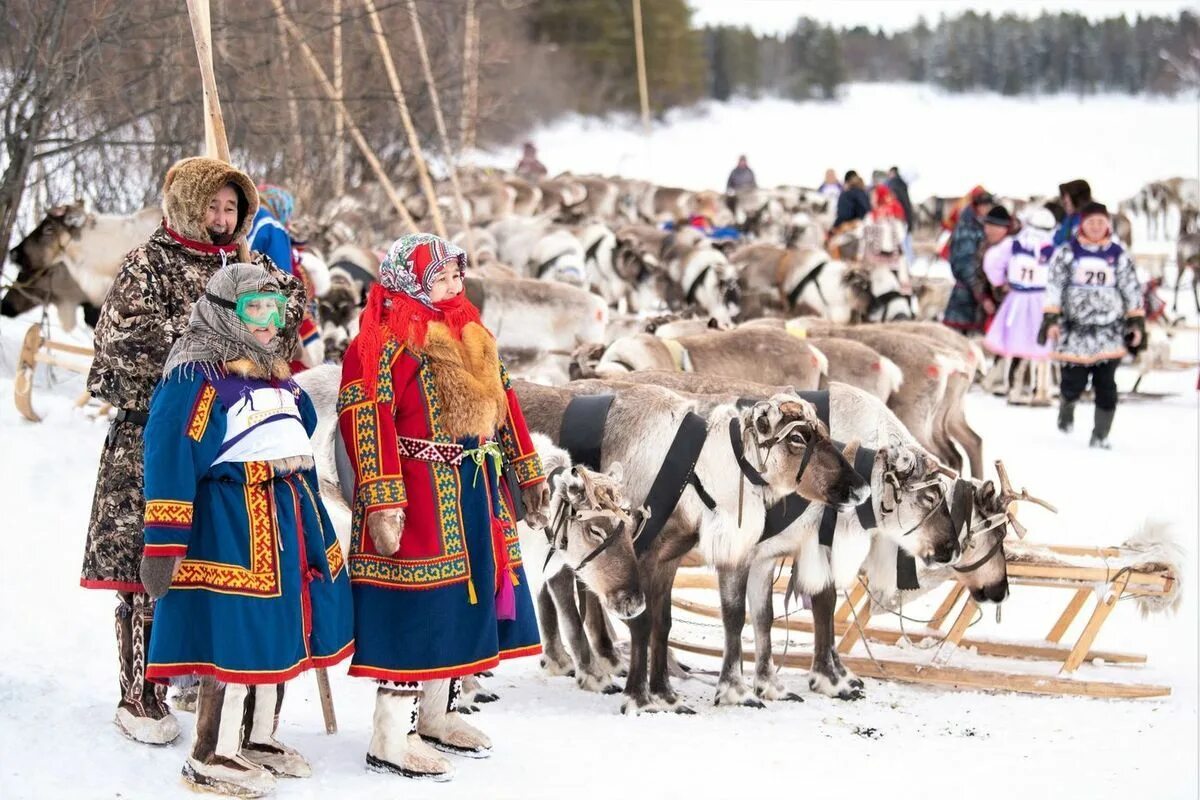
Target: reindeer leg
660,632
587,676
767,684
824,677
555,659
595,622
731,689
637,692
961,430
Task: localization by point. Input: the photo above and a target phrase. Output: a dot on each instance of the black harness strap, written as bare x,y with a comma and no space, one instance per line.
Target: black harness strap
962,505
675,475
593,248
882,301
906,571
582,430
803,283
690,297
547,265
820,399
864,462
739,452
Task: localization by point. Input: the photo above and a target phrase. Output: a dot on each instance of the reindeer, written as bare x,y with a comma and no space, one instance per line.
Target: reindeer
588,529
725,522
779,281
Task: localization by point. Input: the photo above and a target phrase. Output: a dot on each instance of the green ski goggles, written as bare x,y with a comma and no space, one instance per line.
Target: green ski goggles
255,308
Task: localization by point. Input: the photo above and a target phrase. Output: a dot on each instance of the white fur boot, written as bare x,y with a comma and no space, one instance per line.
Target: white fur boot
395,746
259,744
215,763
443,727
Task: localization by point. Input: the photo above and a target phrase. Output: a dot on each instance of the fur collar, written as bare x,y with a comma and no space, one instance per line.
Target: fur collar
280,370
466,374
189,187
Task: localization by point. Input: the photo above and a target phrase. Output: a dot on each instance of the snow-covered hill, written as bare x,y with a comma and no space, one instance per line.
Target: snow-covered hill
945,143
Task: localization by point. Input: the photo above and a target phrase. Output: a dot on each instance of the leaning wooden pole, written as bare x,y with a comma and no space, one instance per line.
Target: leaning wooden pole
640,49
355,134
339,133
470,80
414,143
447,152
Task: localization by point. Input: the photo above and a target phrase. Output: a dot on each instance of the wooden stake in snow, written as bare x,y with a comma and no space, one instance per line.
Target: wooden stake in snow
640,48
419,36
410,132
355,134
339,135
470,80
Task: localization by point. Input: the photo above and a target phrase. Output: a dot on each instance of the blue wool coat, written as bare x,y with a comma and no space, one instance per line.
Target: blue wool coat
263,592
269,236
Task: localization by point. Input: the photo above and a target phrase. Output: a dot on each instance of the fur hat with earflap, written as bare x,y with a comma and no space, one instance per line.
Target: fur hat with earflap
190,186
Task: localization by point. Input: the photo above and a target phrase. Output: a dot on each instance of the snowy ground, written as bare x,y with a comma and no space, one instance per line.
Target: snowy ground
58,684
943,143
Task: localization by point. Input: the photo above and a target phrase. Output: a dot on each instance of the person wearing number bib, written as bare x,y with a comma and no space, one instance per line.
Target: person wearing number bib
1093,314
1020,264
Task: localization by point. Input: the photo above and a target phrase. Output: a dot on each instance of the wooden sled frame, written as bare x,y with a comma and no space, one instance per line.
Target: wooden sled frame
854,613
37,349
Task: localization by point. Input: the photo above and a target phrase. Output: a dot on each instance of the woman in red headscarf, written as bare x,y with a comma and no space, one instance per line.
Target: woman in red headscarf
428,418
883,236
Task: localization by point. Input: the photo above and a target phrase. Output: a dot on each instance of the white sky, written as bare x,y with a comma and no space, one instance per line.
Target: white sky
778,16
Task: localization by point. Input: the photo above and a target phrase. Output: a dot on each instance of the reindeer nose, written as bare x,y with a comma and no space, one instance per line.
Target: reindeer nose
945,552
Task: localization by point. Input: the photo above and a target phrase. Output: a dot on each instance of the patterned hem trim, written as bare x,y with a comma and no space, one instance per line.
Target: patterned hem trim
176,514
437,673
1087,361
201,411
162,673
521,652
156,550
386,582
528,469
115,586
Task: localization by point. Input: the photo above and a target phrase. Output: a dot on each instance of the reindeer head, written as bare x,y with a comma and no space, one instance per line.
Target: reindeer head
790,447
913,503
591,526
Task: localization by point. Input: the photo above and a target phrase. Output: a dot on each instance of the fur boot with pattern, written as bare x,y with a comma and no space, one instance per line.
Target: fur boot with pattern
216,763
260,721
395,745
443,727
142,714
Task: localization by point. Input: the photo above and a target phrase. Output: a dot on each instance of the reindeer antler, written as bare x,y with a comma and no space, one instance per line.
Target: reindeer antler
1009,497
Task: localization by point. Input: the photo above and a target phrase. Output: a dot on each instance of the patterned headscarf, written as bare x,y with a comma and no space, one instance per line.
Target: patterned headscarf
399,305
278,201
216,334
415,262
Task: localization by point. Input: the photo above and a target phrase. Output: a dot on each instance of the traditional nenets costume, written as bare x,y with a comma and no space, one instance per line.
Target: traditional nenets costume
1093,309
429,422
1020,264
250,577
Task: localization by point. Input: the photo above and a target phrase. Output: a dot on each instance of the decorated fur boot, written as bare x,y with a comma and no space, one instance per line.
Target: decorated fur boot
216,763
259,724
443,727
142,714
395,745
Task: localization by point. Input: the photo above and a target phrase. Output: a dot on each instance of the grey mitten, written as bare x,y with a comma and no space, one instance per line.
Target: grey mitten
385,527
157,572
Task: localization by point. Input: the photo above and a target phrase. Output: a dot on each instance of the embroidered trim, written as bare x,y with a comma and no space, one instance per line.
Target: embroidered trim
201,412
437,673
333,555
352,394
433,452
261,578
528,469
381,492
168,514
161,673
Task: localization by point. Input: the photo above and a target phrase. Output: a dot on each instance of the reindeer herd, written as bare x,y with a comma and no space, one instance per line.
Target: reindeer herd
730,404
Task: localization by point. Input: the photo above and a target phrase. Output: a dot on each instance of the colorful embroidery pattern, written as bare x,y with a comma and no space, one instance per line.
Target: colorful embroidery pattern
261,578
201,411
352,394
528,469
168,514
333,555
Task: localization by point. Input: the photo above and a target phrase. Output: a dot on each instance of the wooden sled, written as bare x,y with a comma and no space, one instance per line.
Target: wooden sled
37,349
853,615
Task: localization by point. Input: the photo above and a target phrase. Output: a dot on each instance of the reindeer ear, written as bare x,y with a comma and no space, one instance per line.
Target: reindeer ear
616,471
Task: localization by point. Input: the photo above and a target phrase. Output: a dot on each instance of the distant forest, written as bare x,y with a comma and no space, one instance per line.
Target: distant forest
1064,52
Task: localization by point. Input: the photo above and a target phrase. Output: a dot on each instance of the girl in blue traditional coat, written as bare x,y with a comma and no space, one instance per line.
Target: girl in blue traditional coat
428,419
238,546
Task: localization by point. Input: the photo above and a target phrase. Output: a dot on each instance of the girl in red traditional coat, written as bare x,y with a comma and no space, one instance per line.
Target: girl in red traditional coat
430,423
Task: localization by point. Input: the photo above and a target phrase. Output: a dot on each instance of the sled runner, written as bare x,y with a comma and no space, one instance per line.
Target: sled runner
1109,573
37,349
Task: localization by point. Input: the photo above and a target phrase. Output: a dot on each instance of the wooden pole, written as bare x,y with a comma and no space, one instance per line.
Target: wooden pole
214,122
470,82
448,154
640,48
295,142
410,131
339,134
355,134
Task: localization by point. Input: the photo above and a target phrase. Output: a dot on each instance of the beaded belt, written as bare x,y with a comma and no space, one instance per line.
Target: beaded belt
433,452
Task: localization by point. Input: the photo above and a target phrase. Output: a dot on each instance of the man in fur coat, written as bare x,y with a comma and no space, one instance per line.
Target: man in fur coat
208,207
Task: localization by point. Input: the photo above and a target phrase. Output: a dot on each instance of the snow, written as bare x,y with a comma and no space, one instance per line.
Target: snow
943,143
58,686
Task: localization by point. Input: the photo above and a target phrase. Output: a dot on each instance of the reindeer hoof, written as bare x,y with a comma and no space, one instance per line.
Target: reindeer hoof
857,683
486,697
753,702
851,694
792,697
681,709
592,683
612,688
